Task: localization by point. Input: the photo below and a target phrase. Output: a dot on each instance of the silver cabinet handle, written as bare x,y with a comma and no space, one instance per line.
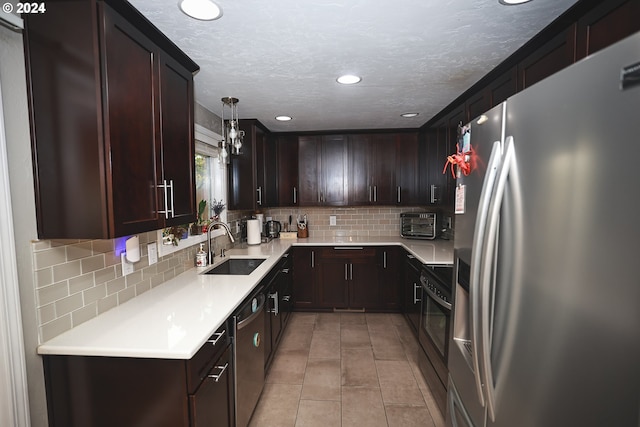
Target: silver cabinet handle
433,199
351,271
286,298
370,194
415,293
217,377
346,276
285,270
399,192
295,195
173,212
217,335
313,259
410,256
375,193
259,190
384,259
166,187
274,297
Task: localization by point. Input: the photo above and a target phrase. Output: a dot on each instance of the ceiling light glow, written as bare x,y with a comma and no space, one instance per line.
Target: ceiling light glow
348,79
283,118
512,2
409,115
203,10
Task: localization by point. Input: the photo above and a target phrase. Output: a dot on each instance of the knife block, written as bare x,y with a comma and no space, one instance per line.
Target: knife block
303,233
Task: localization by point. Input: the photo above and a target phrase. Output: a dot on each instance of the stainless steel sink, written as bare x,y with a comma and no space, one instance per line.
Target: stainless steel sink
236,266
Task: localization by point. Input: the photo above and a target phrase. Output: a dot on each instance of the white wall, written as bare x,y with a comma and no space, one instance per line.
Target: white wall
14,96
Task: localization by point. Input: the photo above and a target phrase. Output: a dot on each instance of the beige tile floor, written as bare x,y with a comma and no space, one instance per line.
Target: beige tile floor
346,369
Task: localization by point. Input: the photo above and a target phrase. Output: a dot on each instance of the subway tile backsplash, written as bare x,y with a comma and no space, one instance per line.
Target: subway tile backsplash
351,222
78,279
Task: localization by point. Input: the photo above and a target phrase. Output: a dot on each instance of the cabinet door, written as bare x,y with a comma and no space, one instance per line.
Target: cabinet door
412,293
309,149
333,191
212,403
287,171
388,268
364,289
266,169
434,149
606,24
553,56
132,126
503,87
178,149
242,183
407,169
384,169
360,169
304,277
333,282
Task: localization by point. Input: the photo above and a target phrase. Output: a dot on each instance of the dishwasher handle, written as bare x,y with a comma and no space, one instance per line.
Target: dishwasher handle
244,322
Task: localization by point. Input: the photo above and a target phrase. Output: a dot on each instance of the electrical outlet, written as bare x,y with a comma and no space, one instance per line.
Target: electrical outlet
127,267
332,220
152,251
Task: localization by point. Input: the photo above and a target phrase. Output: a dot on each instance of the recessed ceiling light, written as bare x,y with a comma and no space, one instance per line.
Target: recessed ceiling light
512,2
348,79
283,118
203,10
409,115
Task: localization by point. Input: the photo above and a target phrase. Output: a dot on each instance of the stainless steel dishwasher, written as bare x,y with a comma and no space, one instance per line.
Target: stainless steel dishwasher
249,356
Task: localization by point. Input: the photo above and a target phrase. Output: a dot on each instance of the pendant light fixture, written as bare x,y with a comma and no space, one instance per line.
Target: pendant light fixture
231,134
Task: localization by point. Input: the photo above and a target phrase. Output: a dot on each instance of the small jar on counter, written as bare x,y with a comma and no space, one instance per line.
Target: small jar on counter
201,257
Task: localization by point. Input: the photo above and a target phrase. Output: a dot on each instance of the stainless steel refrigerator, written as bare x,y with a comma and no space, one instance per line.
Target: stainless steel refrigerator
547,253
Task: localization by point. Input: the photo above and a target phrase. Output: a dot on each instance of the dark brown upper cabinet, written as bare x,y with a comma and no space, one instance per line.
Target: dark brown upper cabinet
407,189
322,170
609,22
372,169
251,185
287,170
553,56
111,112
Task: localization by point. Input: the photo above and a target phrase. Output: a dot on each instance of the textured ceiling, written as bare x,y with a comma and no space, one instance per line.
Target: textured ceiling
283,56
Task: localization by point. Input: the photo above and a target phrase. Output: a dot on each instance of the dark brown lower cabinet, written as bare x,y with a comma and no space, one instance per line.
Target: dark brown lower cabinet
141,392
304,277
210,404
347,277
390,276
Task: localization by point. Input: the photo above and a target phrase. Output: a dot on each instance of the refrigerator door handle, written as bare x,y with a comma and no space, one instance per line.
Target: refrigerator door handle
488,278
476,261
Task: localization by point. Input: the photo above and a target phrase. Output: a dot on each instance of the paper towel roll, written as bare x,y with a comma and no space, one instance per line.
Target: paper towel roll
253,232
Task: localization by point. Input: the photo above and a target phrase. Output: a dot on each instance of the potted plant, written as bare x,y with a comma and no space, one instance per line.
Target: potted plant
197,227
217,207
172,235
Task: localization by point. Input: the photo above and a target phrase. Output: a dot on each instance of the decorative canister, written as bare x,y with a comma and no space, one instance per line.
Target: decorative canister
201,257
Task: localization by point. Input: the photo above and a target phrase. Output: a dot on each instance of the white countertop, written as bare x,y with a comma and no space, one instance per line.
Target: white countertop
174,319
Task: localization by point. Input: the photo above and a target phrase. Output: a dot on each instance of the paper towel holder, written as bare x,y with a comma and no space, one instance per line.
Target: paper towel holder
133,249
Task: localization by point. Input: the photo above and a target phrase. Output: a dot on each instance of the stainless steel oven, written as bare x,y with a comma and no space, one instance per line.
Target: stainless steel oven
435,327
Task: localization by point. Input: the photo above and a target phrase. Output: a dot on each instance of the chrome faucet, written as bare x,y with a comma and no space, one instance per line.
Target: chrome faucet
209,227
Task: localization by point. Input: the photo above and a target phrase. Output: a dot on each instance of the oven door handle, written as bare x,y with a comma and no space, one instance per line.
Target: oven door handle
437,299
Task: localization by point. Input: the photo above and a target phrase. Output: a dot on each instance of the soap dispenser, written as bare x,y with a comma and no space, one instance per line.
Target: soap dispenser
201,257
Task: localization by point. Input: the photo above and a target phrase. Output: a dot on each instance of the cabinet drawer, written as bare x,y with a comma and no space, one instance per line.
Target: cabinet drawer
348,252
200,364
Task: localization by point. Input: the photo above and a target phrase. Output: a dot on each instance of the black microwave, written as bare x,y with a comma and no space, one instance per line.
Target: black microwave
418,225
